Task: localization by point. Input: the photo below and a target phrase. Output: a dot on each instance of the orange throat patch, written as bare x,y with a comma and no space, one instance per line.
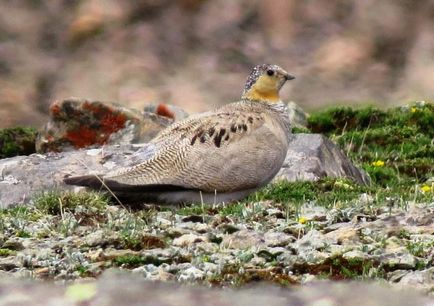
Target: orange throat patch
256,95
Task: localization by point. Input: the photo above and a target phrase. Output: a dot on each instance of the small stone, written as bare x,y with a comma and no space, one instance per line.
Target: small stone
191,274
8,263
397,275
188,239
209,268
207,247
399,260
313,240
42,272
344,236
100,238
13,244
313,257
355,255
419,280
275,239
112,253
243,239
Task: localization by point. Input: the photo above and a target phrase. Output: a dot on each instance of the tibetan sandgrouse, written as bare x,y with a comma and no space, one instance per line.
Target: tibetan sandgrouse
217,156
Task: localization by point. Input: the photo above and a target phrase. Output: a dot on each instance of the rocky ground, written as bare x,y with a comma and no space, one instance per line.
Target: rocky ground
67,237
289,234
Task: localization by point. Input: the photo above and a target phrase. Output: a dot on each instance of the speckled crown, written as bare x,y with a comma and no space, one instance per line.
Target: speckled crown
257,71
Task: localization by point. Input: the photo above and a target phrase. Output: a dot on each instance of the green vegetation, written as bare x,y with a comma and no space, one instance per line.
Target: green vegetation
17,141
7,252
395,146
55,202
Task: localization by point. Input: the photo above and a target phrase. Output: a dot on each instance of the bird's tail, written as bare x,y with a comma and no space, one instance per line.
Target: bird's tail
93,181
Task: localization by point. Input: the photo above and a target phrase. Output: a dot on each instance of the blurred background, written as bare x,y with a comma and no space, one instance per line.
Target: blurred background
198,53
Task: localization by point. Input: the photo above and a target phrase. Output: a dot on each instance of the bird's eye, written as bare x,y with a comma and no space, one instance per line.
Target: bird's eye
270,72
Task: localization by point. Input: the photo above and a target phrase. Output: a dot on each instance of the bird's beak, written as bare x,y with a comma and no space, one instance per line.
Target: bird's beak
289,77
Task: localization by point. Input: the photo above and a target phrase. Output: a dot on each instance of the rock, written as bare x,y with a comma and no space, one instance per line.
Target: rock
191,274
297,115
355,255
79,123
101,238
277,239
13,244
8,263
314,156
110,254
24,177
310,157
422,281
344,235
167,110
188,239
243,239
399,260
313,240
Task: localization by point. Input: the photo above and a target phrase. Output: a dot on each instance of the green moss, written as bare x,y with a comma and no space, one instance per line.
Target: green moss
7,252
17,141
299,130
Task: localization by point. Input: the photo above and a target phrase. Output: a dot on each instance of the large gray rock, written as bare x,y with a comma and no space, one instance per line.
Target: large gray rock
310,157
115,289
314,156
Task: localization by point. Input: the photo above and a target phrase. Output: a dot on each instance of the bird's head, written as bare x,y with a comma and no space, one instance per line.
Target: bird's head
264,83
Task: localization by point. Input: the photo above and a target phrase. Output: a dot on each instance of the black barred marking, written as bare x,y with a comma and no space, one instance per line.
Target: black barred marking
250,119
227,137
218,137
211,131
244,127
217,141
233,128
193,140
202,139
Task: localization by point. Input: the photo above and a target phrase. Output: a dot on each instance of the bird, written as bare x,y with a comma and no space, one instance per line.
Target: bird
219,156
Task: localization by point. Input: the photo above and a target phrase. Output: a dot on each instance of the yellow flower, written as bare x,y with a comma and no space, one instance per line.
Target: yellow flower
302,220
426,188
413,109
378,163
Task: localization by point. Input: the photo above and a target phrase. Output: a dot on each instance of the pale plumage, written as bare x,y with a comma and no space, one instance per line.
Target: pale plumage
217,156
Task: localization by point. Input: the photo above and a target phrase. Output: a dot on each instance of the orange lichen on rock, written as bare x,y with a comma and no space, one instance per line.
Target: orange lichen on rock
82,137
163,110
113,122
55,109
